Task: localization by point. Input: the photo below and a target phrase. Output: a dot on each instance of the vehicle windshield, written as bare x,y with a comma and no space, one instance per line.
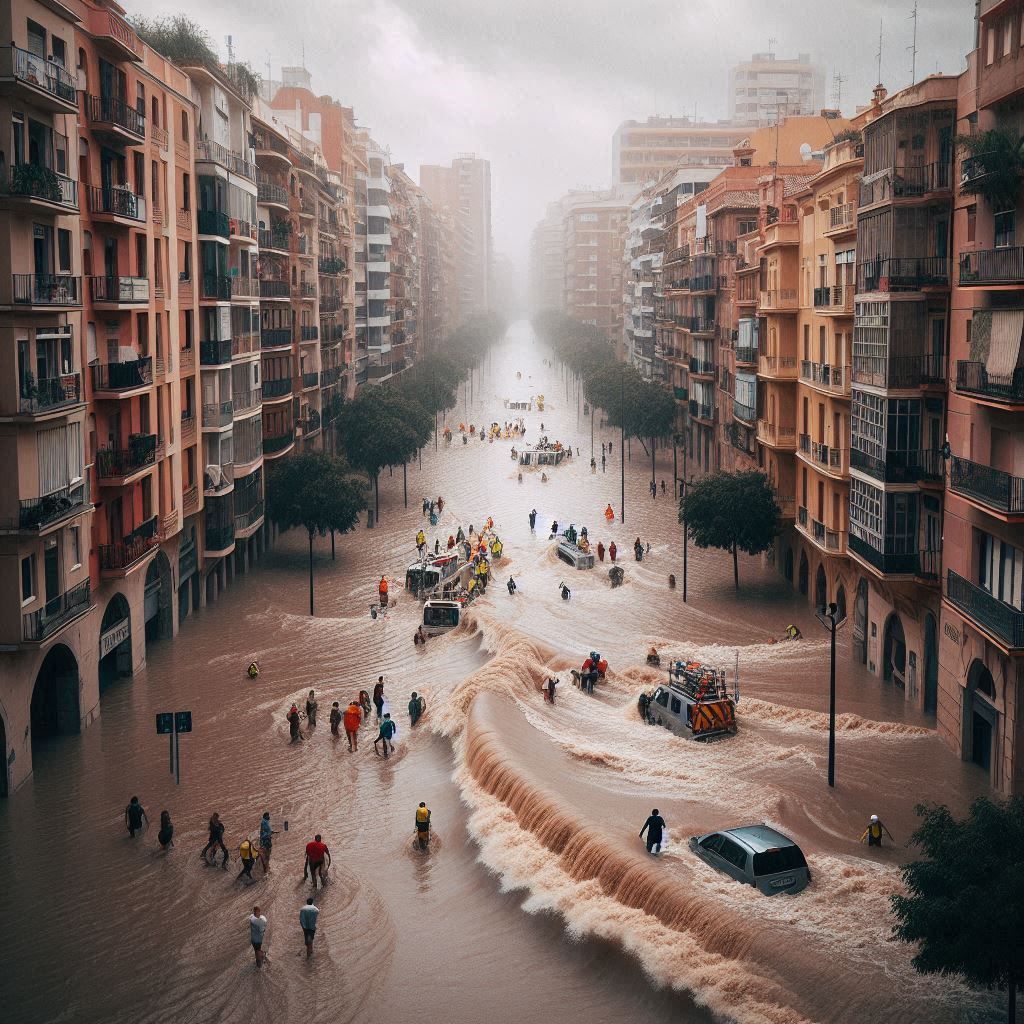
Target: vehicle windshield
440,616
785,858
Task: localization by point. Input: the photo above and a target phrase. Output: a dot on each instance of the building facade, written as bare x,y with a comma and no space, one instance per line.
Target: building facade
766,88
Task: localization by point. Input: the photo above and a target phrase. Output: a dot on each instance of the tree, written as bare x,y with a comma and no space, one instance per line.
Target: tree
965,898
179,38
733,512
993,166
316,491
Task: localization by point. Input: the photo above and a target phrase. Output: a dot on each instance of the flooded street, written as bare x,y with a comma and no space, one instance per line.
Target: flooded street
536,893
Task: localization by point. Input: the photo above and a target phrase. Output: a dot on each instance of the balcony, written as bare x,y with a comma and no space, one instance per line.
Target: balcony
271,194
116,559
992,267
906,182
331,376
217,415
310,425
116,205
218,539
330,303
39,186
246,522
44,622
116,466
188,429
41,82
778,300
50,290
270,238
899,467
777,367
190,501
36,514
745,355
207,149
307,290
992,488
834,299
832,541
310,380
841,219
122,377
898,373
924,565
52,394
904,274
218,478
972,379
213,222
330,265
308,333
1000,620
116,292
783,438
244,287
275,290
271,146
276,337
834,379
278,445
215,287
115,120
242,401
277,389
701,367
746,413
214,353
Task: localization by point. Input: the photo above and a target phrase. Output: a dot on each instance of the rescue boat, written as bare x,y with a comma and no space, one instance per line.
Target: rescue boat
694,703
423,578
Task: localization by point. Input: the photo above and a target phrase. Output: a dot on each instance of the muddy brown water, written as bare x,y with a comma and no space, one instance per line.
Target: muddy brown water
537,900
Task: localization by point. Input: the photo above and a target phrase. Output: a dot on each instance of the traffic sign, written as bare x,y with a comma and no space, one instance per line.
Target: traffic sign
182,721
164,723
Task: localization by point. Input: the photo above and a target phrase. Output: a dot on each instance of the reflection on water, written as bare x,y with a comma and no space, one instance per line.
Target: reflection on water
536,807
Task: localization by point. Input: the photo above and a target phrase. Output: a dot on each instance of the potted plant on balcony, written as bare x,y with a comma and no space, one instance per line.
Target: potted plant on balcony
37,181
993,163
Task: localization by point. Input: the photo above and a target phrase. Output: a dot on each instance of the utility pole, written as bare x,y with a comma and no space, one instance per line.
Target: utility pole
622,441
913,46
879,54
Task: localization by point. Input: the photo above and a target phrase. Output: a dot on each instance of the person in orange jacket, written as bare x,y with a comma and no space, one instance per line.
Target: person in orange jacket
382,590
353,717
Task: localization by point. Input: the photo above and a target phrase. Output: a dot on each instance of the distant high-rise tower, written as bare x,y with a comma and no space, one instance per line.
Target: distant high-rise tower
464,189
766,87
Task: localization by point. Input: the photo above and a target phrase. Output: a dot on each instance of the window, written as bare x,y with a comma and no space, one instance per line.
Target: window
83,70
59,54
1007,27
63,251
186,262
733,853
744,227
990,45
28,579
36,39
785,858
661,697
677,706
712,843
1000,569
75,546
1004,229
972,222
186,192
140,99
184,126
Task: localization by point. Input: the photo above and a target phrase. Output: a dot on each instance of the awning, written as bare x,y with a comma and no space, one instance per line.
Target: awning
1004,350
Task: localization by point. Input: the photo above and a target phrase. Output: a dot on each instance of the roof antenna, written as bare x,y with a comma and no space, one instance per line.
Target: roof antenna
879,54
837,89
771,47
913,47
231,52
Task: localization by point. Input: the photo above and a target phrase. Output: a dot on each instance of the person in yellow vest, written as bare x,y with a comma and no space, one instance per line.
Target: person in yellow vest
247,853
873,833
423,825
421,541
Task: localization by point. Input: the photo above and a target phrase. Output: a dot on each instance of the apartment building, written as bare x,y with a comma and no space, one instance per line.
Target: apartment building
593,232
981,638
643,152
766,88
464,189
816,561
437,273
405,269
547,261
898,400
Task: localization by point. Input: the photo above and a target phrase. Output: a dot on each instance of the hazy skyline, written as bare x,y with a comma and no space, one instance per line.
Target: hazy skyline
539,89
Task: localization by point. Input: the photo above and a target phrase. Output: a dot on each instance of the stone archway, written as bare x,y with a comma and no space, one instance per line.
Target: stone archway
981,719
159,595
55,707
840,603
820,587
115,641
804,573
894,651
860,622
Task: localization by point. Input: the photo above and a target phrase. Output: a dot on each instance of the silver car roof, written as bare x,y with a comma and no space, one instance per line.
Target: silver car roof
759,838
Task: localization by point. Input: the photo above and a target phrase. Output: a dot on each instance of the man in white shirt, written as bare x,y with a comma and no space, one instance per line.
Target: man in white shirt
257,929
307,919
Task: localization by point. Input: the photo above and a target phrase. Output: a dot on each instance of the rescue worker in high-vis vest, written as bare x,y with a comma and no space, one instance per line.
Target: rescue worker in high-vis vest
873,833
423,825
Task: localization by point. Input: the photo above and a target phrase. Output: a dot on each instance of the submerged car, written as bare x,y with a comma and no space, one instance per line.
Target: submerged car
758,855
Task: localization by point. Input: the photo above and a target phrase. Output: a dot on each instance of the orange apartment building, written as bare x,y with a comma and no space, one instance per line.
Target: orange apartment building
981,640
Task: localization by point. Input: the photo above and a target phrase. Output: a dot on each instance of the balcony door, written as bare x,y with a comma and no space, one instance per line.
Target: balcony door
42,249
113,82
110,257
51,570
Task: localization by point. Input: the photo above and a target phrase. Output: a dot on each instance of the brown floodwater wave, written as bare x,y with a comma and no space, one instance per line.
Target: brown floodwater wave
539,899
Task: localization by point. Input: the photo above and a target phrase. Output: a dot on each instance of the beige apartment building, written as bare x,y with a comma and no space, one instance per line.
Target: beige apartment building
767,88
644,151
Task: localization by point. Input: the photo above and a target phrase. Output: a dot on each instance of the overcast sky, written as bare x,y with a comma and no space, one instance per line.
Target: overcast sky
539,86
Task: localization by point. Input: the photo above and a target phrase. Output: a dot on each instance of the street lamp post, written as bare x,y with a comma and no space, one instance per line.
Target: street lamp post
622,443
828,617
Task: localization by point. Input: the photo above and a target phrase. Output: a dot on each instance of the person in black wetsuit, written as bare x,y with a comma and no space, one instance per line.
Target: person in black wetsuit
654,826
533,519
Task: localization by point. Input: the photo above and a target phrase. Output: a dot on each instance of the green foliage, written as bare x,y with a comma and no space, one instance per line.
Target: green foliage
35,180
731,511
965,897
179,38
642,408
582,347
381,427
315,491
996,164
433,382
245,80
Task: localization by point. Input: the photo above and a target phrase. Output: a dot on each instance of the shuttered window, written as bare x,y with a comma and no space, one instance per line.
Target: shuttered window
60,457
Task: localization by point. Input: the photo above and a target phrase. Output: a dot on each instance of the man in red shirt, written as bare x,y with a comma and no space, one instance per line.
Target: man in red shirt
318,860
